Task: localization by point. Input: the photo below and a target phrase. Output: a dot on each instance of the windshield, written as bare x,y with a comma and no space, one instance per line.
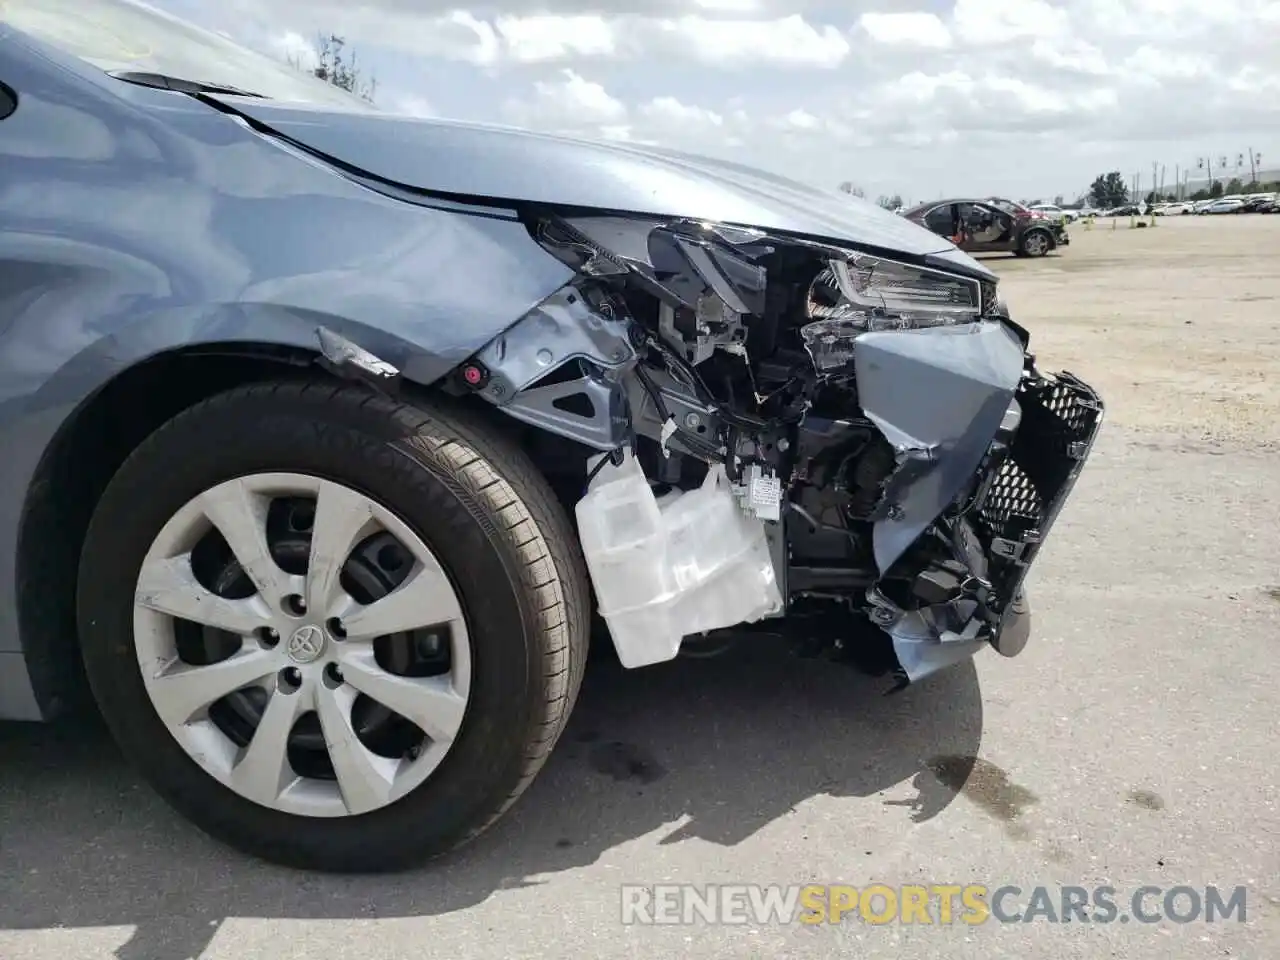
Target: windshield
126,35
1008,206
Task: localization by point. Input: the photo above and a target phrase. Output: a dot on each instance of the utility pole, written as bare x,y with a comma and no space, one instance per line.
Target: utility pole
1177,181
1253,166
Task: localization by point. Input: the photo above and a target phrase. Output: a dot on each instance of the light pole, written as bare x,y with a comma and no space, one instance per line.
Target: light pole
1205,163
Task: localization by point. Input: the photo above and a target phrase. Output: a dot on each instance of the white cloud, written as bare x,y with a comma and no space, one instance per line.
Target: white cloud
789,40
802,120
669,110
574,104
731,6
1151,65
981,22
920,88
1071,54
720,40
548,37
1251,81
568,103
906,29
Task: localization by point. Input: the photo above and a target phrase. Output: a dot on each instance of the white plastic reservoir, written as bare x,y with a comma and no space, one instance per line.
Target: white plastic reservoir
665,568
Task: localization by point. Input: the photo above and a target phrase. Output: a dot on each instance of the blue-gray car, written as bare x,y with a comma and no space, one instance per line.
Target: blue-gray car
332,438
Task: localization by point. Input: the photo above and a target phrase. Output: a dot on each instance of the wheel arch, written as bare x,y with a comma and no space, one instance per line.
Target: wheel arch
75,468
92,443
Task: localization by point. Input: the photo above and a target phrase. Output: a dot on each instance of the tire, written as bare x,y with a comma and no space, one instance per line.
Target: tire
481,507
1035,243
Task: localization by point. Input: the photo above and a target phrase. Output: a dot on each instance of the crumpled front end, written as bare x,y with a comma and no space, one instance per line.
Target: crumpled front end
882,451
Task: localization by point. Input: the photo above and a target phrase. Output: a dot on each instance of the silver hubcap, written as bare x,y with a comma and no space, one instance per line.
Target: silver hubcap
1035,244
302,645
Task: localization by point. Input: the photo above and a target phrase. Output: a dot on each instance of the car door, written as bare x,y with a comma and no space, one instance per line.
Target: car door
977,222
942,220
1005,227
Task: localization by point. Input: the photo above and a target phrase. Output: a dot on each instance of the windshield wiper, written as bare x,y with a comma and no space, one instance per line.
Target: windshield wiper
166,82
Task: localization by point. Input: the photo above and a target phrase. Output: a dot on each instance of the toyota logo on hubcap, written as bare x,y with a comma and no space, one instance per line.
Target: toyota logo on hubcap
306,644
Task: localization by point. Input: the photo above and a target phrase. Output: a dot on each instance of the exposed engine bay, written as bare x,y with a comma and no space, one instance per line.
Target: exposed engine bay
878,423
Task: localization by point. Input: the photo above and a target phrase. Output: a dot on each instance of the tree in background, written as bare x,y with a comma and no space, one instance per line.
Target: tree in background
890,203
1235,186
849,188
334,65
1109,190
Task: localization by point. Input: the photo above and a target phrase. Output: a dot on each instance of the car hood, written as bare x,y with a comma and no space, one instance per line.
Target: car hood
492,163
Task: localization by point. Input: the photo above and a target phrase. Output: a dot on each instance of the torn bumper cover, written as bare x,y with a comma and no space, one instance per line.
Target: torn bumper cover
1027,474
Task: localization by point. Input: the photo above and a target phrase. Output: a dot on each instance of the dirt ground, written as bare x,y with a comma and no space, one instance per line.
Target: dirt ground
1177,326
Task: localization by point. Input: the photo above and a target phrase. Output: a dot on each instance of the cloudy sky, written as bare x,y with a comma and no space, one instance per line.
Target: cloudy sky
1026,98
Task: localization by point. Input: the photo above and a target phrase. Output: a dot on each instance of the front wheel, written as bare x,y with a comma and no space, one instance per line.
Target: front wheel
333,630
1036,243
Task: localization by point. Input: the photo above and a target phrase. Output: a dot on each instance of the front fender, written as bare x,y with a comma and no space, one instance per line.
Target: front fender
136,221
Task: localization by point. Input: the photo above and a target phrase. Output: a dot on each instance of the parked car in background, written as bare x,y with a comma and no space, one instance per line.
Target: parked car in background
993,225
327,433
1255,203
1055,212
1223,206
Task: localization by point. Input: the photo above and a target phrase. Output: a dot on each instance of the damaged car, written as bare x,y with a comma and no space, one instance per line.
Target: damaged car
330,434
993,225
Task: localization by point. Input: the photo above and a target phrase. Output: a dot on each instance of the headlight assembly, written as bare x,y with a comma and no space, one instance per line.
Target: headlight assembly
711,277
861,294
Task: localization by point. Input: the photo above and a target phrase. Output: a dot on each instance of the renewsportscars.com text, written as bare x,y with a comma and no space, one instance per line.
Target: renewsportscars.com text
944,903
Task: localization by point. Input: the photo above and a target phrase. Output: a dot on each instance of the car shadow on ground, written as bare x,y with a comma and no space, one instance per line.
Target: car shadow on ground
726,745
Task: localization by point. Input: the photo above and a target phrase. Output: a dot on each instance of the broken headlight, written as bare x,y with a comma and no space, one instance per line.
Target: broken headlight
718,274
859,294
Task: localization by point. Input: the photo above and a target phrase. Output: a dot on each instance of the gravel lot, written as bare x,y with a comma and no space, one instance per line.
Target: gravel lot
1133,742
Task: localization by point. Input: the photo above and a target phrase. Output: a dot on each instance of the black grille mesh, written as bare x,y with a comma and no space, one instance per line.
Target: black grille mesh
990,298
1013,497
1059,420
1077,411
